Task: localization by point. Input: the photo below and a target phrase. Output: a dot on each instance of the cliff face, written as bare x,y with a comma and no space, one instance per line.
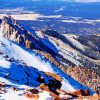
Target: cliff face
28,38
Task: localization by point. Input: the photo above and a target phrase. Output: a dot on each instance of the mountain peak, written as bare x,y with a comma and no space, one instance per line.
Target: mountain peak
9,19
12,29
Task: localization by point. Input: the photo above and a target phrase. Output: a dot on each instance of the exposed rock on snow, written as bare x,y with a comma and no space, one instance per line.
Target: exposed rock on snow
33,65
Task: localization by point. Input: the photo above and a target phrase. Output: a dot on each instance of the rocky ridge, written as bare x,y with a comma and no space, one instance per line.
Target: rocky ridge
64,51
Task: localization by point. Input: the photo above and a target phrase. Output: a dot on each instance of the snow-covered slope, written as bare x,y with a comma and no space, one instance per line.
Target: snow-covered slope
18,53
19,66
76,49
70,50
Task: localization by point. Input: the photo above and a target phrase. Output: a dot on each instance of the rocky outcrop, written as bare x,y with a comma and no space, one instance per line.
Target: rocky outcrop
77,95
86,76
35,93
10,28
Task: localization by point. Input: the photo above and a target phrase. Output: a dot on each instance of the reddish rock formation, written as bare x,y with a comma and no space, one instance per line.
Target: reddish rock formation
1,85
80,93
85,76
55,76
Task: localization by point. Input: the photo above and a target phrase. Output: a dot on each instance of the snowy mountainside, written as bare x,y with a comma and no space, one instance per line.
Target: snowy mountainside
14,71
16,52
37,62
76,49
21,67
68,49
25,36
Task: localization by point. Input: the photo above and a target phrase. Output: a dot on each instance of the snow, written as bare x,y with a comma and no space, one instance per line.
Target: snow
68,21
66,86
12,83
4,63
18,53
74,42
66,51
12,95
45,96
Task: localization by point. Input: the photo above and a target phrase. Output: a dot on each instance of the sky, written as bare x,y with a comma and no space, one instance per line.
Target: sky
63,0
83,0
72,0
87,0
79,0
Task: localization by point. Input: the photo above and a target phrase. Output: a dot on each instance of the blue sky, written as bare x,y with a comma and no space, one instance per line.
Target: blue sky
87,0
63,0
83,0
73,0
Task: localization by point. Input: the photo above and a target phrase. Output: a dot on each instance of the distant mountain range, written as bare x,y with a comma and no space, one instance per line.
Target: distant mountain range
63,17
